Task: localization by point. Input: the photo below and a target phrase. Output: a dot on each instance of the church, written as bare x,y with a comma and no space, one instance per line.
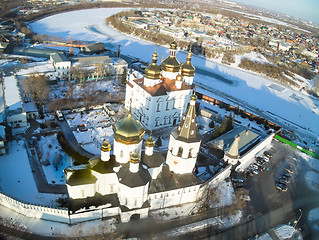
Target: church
160,98
136,179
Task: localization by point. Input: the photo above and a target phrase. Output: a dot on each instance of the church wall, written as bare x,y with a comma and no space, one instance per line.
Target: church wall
153,111
81,191
173,197
126,216
106,183
192,147
123,151
180,165
132,197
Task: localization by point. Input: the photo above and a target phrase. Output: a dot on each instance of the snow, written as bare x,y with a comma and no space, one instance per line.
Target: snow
16,177
51,156
89,25
55,229
313,219
222,223
286,232
11,93
312,180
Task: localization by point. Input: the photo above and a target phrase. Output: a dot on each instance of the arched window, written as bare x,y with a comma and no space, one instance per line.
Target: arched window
166,120
190,153
180,152
159,103
157,121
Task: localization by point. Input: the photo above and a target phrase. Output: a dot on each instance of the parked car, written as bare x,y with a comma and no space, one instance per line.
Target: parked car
286,179
238,179
281,180
255,171
286,175
289,170
267,154
266,158
281,187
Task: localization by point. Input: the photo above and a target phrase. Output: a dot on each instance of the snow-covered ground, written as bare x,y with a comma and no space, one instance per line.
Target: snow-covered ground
16,177
89,25
53,159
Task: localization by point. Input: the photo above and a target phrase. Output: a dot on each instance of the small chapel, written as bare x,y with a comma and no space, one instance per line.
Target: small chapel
160,98
136,179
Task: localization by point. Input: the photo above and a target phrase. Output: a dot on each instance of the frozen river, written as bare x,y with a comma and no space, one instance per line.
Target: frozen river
288,105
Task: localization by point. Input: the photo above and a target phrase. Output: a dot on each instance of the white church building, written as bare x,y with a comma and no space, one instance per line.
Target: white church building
160,98
134,181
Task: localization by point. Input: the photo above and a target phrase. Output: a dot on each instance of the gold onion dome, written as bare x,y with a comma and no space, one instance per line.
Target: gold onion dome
153,71
150,142
193,97
128,130
105,147
135,157
179,78
171,64
187,68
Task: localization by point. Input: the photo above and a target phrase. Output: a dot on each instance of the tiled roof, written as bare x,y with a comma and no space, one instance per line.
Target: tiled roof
165,86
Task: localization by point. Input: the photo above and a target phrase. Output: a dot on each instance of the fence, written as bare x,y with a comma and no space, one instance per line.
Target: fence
35,211
308,152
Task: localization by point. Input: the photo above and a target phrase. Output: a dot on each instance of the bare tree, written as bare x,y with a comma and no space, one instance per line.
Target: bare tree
37,87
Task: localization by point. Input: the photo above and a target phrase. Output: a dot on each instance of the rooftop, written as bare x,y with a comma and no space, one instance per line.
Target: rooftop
11,93
165,86
246,136
168,180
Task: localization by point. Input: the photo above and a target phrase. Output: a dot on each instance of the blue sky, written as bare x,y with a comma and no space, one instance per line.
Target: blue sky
304,9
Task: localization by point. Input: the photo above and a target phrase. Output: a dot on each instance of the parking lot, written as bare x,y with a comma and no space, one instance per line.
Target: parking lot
264,194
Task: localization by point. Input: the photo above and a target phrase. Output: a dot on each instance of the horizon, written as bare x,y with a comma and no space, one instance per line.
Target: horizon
303,9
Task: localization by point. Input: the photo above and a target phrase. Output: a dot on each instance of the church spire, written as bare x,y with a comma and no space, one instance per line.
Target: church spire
187,129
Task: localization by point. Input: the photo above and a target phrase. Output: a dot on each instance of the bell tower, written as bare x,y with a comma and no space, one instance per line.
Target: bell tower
184,142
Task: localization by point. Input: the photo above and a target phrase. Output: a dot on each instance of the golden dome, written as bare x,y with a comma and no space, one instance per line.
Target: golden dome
150,142
193,97
187,68
128,130
153,71
135,157
171,64
173,45
105,146
179,78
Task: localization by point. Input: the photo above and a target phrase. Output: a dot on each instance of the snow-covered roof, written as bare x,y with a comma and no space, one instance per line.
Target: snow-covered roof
11,93
245,137
59,57
92,60
30,107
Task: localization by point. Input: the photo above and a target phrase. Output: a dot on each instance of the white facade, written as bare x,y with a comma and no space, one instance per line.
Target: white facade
123,151
61,64
15,112
158,100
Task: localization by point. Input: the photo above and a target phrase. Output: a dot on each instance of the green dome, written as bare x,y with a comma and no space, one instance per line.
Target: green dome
128,130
